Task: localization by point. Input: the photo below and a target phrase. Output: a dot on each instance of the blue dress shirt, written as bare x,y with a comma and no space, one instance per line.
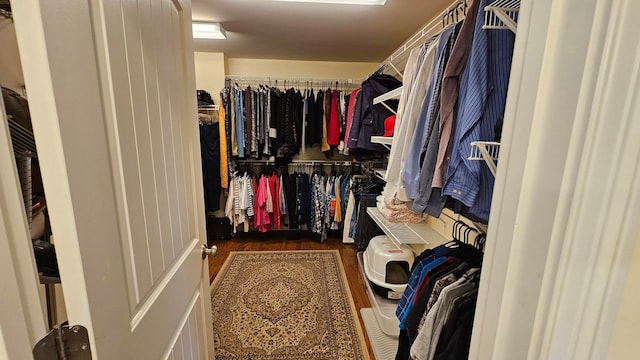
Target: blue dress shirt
483,92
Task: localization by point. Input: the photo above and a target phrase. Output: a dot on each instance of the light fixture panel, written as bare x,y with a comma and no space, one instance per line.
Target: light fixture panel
208,30
342,2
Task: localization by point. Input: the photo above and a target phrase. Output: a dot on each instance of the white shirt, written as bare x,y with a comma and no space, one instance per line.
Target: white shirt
416,78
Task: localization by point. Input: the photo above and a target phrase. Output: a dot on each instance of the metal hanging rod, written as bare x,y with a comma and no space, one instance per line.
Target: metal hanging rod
303,162
300,81
328,162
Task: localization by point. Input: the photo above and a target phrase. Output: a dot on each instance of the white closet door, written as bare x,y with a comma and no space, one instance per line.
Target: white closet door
112,92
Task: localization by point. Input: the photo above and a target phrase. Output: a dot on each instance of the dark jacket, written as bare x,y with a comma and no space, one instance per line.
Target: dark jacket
369,118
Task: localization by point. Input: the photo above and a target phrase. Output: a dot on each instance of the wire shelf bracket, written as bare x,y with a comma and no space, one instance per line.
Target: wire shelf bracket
502,14
487,151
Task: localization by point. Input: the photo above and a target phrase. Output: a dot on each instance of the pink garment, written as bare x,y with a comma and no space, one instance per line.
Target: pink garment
269,196
333,137
274,185
262,220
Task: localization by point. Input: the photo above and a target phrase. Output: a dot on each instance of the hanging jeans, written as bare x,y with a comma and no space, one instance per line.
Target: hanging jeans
239,106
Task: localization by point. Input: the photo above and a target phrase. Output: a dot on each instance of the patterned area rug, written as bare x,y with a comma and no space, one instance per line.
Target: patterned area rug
285,305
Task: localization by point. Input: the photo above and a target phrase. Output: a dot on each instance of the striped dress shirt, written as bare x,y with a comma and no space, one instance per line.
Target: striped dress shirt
483,92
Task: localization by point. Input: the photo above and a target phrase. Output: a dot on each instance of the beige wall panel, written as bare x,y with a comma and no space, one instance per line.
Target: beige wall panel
210,70
287,69
10,68
624,341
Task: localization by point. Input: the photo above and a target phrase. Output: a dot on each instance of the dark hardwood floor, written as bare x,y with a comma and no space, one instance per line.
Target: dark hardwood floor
276,241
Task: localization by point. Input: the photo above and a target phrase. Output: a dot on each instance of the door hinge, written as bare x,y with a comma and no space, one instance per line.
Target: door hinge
64,343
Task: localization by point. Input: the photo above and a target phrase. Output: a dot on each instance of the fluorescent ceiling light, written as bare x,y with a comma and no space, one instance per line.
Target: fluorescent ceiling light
346,2
208,30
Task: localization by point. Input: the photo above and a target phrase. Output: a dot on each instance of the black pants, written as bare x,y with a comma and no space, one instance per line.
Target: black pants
210,151
366,228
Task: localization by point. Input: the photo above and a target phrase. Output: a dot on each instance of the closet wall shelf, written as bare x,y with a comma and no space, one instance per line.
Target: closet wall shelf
208,107
487,151
419,236
393,94
386,141
502,14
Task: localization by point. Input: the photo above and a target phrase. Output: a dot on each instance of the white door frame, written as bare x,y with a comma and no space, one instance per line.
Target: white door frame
566,197
22,321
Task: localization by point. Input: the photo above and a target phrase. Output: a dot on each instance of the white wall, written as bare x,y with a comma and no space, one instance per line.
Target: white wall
10,68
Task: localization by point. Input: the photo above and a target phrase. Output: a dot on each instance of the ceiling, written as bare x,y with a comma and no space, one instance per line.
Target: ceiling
267,29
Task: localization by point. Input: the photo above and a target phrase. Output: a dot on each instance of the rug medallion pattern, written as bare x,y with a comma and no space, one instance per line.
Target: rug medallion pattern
285,305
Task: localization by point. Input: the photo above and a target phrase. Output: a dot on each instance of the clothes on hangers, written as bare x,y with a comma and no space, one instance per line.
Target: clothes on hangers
264,203
481,103
305,111
359,228
318,199
454,94
227,108
442,282
405,126
210,154
297,201
352,104
270,123
398,212
343,103
333,136
368,118
427,119
240,119
224,151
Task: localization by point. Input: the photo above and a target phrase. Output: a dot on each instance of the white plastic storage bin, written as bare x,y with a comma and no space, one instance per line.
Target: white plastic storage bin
387,266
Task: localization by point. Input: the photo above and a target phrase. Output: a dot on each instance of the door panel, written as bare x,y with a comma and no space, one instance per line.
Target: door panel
113,91
133,65
154,125
149,324
156,152
186,345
